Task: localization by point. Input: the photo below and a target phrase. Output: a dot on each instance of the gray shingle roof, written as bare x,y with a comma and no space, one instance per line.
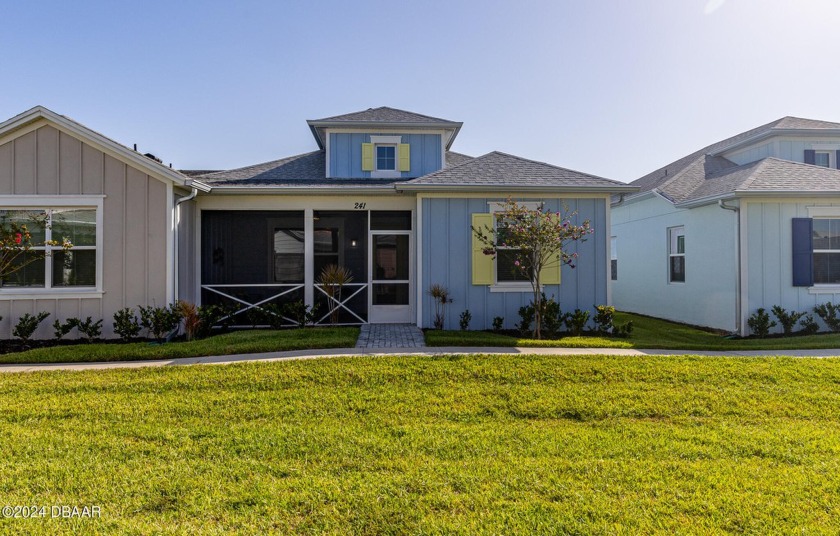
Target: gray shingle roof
456,159
498,169
383,114
306,170
765,175
666,174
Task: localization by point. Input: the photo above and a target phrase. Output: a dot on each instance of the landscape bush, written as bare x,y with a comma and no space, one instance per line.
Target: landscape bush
27,324
760,323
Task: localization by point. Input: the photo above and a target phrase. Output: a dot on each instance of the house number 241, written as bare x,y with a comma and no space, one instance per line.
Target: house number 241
359,206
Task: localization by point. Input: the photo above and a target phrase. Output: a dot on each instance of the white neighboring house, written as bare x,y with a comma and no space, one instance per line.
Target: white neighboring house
751,221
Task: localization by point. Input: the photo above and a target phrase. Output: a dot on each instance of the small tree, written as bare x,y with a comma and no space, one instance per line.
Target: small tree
537,238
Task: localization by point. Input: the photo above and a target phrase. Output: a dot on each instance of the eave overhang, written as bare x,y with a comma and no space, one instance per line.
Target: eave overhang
318,128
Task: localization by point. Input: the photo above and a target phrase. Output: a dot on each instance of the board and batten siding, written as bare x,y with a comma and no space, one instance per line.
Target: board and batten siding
769,269
346,154
48,161
447,239
708,295
786,148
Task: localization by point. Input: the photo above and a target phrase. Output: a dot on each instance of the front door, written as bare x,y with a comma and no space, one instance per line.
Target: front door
390,277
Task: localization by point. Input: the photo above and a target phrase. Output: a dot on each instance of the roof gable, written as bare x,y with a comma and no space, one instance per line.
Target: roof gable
41,115
383,117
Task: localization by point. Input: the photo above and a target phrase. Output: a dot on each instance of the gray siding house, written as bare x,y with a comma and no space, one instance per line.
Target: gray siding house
382,195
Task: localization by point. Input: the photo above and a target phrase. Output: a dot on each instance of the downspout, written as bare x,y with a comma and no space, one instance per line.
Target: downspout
737,211
620,201
177,233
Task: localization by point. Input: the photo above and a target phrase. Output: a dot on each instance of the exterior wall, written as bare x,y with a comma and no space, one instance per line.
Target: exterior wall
786,148
708,296
446,245
345,154
769,264
47,161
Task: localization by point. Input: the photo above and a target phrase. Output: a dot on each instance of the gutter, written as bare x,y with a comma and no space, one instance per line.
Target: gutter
738,276
515,187
619,202
178,202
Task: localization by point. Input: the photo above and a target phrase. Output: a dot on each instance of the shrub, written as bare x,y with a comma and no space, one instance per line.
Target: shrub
441,297
90,329
828,312
159,321
208,317
576,321
61,330
126,324
464,321
498,322
526,318
302,314
604,316
552,318
27,324
787,319
809,325
760,323
623,330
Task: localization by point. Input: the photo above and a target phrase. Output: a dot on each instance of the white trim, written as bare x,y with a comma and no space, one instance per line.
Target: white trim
678,230
51,294
745,272
417,225
51,201
309,256
824,289
386,141
171,256
511,287
823,211
327,154
197,253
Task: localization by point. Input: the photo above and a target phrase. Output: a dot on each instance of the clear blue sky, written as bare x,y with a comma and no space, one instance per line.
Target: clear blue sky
615,88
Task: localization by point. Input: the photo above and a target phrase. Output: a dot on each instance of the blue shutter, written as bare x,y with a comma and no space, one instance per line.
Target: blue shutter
837,158
810,156
803,252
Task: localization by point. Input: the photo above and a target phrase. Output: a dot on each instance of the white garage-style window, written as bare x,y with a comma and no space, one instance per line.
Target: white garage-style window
48,266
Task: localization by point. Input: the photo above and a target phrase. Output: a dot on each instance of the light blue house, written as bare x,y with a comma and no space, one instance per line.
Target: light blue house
381,194
384,196
749,222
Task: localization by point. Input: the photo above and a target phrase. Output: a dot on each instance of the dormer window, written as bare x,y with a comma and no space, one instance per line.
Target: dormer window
386,157
822,158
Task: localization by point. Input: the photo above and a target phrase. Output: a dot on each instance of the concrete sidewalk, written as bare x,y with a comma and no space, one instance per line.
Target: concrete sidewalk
427,351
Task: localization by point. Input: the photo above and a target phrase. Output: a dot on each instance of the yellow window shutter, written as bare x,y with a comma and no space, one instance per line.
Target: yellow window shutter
550,275
367,157
405,157
482,265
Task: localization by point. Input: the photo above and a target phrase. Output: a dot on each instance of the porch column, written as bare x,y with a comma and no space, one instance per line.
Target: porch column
309,256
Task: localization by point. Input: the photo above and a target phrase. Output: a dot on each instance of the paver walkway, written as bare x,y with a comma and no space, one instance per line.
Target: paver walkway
390,336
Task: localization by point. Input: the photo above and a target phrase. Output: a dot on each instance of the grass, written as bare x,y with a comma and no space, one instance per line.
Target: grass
430,445
649,333
236,342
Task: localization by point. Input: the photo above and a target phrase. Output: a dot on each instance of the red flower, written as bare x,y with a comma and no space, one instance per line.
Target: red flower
18,238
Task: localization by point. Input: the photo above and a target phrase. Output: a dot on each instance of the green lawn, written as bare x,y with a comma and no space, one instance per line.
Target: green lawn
647,333
237,342
430,445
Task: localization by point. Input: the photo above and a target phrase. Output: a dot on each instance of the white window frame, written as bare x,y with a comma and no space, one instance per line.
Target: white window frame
386,141
508,286
54,202
614,257
829,158
675,233
823,213
814,251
